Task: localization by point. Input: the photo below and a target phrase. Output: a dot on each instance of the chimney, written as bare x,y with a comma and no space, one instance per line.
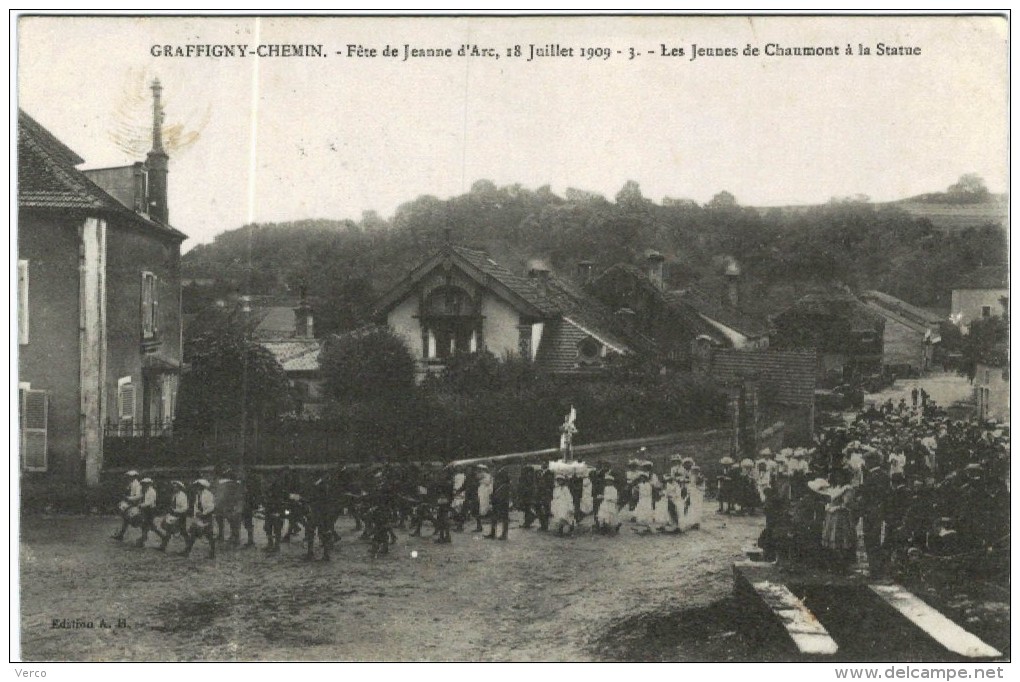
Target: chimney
653,266
157,161
733,284
584,271
538,272
304,327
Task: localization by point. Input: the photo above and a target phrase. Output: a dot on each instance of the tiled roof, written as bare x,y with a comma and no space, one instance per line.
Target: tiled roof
837,305
524,287
985,277
275,322
791,373
295,356
47,178
901,311
735,319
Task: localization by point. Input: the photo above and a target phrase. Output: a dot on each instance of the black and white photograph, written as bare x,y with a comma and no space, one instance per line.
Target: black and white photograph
511,338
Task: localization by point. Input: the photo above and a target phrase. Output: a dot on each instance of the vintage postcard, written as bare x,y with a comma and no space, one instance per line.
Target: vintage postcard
512,338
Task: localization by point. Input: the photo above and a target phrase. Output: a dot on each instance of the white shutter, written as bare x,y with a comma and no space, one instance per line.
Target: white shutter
147,296
22,302
126,405
34,417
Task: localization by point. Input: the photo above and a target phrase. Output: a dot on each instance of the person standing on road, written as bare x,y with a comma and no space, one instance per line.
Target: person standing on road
205,506
608,517
562,507
176,519
129,505
500,503
148,509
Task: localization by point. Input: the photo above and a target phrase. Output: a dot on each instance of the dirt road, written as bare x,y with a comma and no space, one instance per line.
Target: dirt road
535,597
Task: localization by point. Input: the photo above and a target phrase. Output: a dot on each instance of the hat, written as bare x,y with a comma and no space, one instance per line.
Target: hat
609,477
176,484
688,460
765,451
560,477
726,461
131,473
202,482
746,462
146,480
646,464
676,458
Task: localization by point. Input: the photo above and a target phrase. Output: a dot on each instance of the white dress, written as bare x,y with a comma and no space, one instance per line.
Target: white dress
562,507
696,498
461,497
587,503
671,494
644,512
609,510
484,494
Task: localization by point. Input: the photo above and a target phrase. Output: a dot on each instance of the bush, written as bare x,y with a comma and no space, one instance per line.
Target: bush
367,364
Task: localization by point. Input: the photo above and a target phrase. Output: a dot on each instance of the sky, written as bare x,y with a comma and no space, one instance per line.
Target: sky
286,138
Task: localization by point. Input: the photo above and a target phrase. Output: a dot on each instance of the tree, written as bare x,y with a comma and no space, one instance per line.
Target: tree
986,342
230,374
367,364
970,188
723,201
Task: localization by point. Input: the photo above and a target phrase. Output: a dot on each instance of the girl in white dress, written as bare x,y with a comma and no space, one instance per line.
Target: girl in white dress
484,490
562,508
644,512
609,511
695,498
672,498
587,501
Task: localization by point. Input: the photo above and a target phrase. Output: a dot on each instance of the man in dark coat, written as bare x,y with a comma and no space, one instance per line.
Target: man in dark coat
501,491
873,498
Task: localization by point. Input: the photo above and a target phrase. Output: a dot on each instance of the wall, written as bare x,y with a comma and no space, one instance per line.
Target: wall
903,345
499,328
129,253
970,301
50,359
991,392
403,321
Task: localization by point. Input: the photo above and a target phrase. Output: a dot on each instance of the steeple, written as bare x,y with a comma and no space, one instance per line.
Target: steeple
157,161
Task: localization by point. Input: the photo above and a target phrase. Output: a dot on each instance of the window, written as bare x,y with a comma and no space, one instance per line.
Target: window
125,405
589,352
22,302
986,311
524,341
150,305
34,412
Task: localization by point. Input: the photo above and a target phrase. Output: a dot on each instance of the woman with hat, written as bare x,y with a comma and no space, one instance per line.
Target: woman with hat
562,506
839,535
128,506
608,518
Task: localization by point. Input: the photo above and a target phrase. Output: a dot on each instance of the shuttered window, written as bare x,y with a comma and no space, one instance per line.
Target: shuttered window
22,302
150,305
34,423
126,405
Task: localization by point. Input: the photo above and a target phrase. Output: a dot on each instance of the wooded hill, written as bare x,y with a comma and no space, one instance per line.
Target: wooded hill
848,242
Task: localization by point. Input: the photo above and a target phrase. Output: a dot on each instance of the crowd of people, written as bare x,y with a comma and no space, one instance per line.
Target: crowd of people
901,481
553,497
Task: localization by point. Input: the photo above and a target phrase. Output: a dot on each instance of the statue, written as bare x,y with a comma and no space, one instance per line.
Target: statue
567,431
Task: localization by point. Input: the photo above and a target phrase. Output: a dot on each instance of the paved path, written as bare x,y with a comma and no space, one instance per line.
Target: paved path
944,388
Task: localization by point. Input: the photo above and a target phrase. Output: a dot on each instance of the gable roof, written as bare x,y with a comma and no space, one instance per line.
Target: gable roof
296,356
837,305
735,319
791,373
900,311
985,277
520,291
48,179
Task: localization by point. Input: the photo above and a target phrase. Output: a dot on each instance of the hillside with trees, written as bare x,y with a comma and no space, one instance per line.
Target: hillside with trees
849,242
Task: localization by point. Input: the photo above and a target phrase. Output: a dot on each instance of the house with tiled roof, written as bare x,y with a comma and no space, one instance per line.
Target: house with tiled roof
846,334
99,305
685,325
981,293
909,335
460,300
287,330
